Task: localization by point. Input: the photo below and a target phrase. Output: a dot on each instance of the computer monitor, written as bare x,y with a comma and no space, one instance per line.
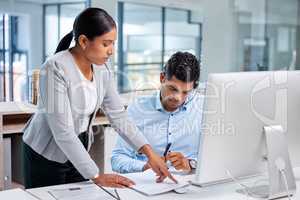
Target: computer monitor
237,107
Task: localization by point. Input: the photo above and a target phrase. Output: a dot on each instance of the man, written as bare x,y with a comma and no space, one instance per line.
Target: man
171,116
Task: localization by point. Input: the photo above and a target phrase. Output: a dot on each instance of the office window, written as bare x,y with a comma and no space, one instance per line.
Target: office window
142,47
187,39
267,35
51,29
148,36
67,16
59,20
13,58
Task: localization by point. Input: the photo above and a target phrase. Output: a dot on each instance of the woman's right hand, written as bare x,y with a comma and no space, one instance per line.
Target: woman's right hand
157,164
113,180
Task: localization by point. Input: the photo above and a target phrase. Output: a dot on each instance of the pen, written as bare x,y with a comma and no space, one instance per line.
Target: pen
117,198
117,194
167,149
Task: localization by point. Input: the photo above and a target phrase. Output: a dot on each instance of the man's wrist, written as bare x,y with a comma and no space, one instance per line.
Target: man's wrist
187,164
192,164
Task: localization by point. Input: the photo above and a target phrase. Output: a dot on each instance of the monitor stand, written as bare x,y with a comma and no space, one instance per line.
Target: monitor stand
281,176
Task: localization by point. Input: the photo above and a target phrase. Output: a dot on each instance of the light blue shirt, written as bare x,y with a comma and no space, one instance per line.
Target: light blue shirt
182,128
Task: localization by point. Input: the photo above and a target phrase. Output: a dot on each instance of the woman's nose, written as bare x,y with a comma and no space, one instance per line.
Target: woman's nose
110,51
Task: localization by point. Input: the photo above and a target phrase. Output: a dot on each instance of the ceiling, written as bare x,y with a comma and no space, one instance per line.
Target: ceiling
48,1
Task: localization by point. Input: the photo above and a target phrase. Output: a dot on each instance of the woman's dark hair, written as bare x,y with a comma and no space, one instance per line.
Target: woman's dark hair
184,66
91,22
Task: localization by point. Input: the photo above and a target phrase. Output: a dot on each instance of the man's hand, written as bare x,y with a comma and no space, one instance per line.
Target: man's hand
179,161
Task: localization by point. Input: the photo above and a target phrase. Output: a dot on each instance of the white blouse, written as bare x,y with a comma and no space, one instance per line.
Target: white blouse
87,104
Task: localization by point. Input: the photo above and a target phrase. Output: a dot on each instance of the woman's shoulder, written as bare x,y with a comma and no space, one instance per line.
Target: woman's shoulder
58,61
60,57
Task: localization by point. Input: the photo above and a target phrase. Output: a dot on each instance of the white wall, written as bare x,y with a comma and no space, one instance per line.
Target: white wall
32,29
109,5
219,37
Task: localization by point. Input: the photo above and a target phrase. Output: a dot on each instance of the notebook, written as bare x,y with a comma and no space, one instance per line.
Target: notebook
145,183
89,192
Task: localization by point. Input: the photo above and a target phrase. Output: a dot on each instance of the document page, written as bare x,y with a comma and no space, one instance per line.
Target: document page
16,194
90,192
146,183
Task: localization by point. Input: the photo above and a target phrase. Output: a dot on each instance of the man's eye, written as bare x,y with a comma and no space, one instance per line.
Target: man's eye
173,89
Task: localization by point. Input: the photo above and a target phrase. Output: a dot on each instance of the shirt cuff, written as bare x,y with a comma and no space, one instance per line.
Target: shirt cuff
96,176
139,165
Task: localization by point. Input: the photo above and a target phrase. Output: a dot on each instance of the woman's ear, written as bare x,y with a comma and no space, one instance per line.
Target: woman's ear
83,41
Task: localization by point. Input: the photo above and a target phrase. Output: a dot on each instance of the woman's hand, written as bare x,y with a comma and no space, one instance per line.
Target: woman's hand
157,164
147,165
113,180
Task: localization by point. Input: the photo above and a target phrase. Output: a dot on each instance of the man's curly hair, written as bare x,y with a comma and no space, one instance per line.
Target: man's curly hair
184,66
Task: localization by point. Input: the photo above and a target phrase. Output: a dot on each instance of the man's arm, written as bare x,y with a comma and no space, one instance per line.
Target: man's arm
124,159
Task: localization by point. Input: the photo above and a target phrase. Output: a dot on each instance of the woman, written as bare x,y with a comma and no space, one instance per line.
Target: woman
74,84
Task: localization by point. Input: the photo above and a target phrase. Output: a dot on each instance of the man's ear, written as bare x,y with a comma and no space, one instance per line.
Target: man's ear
162,77
83,41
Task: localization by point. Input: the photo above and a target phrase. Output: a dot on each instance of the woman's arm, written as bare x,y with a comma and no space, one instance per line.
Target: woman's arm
117,115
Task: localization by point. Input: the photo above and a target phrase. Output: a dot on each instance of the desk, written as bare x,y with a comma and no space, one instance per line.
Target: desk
16,194
13,117
217,192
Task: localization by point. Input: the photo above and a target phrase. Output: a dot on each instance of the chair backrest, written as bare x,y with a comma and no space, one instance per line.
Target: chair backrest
35,86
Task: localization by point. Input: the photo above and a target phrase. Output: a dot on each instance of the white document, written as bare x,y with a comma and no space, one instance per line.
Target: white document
16,194
90,192
145,183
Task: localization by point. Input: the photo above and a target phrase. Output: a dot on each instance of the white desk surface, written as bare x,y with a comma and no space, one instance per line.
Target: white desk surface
217,192
10,108
16,194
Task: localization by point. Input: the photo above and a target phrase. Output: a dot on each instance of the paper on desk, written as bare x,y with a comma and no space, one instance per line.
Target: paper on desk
145,183
90,192
16,194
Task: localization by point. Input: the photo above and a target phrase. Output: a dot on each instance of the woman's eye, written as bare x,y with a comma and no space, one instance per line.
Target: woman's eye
106,44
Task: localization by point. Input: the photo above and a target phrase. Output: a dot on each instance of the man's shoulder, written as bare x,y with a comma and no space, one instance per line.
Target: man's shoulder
143,102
